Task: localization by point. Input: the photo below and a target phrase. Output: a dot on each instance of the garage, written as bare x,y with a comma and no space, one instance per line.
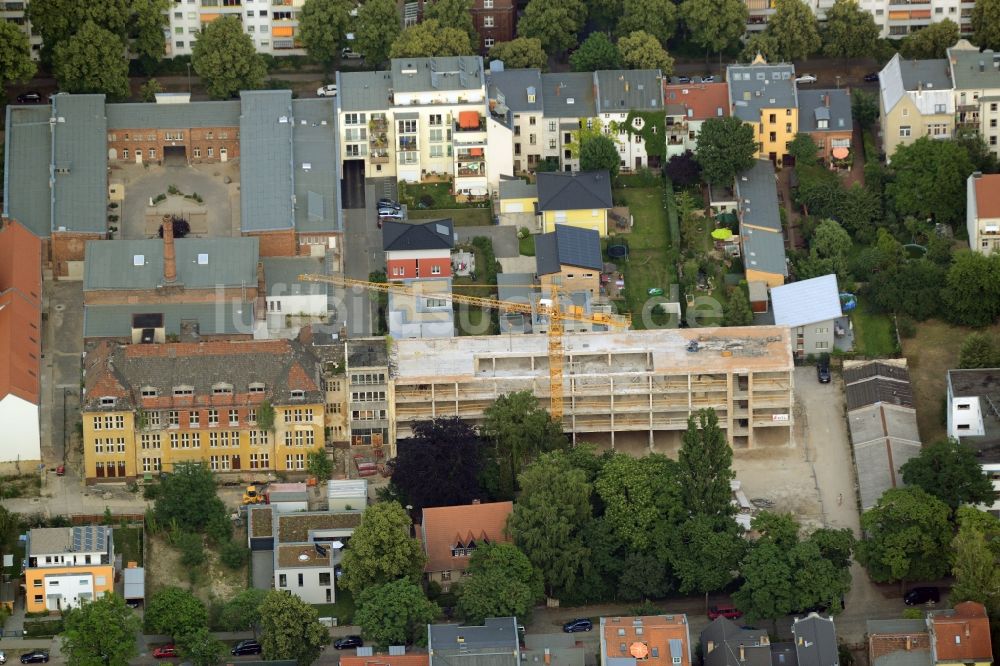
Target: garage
174,156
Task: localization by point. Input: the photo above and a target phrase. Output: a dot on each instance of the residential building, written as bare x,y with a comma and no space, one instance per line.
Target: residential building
450,535
578,199
825,115
568,102
628,100
67,566
369,392
724,643
976,77
571,258
882,420
418,255
640,385
303,549
518,203
815,641
658,640
974,418
899,643
765,97
147,407
688,106
894,20
916,98
347,494
960,635
810,308
397,657
20,344
515,102
761,235
560,649
274,27
292,303
494,643
495,21
982,212
16,12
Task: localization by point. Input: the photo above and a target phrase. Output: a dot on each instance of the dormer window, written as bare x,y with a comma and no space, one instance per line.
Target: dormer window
222,389
180,391
149,392
298,394
256,387
108,402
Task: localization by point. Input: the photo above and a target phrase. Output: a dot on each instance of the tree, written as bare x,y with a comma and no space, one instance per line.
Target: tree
948,470
92,61
550,519
448,450
15,55
803,149
595,53
971,290
554,22
395,613
56,21
762,44
319,465
519,430
726,148
454,14
381,549
148,21
174,612
641,50
930,180
242,612
642,499
290,628
644,577
767,591
265,415
599,153
931,41
147,93
986,24
978,350
323,25
706,555
101,633
829,248
849,31
377,29
715,25
520,53
795,28
982,158
977,550
908,534
705,468
655,17
502,583
428,39
736,311
864,108
187,498
226,60
683,170
201,648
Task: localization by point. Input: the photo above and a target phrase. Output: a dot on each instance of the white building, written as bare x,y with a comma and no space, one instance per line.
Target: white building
894,19
622,97
347,494
982,212
272,24
974,418
286,294
976,78
810,309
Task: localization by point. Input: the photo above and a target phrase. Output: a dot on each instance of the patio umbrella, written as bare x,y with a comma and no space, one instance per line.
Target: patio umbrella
722,234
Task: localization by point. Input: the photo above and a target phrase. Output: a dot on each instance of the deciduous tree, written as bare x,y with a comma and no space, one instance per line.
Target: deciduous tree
849,31
977,559
519,430
706,555
599,153
595,53
429,39
795,28
972,291
948,470
92,61
726,147
803,149
503,582
830,243
174,612
395,613
762,44
986,24
15,55
644,576
378,27
929,181
705,468
683,170
319,465
381,549
641,498
323,25
554,22
978,350
101,633
448,450
242,612
201,648
188,498
149,19
226,59
520,53
931,41
454,14
290,628
715,25
641,50
655,17
864,108
736,311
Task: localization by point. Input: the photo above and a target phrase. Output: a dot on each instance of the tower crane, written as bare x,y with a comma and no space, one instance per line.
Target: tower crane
547,307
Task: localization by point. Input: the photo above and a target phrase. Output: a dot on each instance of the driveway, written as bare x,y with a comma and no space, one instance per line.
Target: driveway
504,238
362,255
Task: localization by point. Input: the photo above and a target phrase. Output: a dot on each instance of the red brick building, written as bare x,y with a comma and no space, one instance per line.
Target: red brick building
495,21
195,144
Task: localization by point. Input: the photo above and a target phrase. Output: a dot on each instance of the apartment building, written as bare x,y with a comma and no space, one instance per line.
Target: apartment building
496,642
811,309
982,212
895,18
765,96
419,256
659,640
272,24
147,407
916,98
494,21
687,107
624,98
974,418
642,382
568,102
67,566
515,103
976,78
370,397
825,115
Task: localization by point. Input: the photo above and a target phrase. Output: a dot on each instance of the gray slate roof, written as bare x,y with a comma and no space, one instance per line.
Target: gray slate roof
874,382
813,107
364,91
27,151
174,116
495,643
863,371
316,188
756,87
815,641
623,90
266,168
111,264
725,638
569,246
974,69
442,73
135,582
927,73
281,275
514,85
59,540
577,190
807,301
764,251
757,191
80,159
431,235
221,318
783,654
517,189
568,95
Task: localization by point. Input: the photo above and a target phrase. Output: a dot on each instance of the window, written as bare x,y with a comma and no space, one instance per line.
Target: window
149,441
152,153
258,438
324,578
904,131
173,418
822,345
259,461
222,389
437,151
193,419
906,112
407,126
153,419
196,152
940,108
993,122
299,394
183,390
435,269
282,581
234,417
295,461
993,107
487,4
993,141
211,151
256,387
148,392
487,21
213,417
435,119
124,153
252,416
489,42
532,139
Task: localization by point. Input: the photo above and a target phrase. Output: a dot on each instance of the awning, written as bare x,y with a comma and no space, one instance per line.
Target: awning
208,18
476,152
282,31
841,153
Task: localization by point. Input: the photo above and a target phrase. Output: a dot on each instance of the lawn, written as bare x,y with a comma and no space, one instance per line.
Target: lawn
474,321
460,217
343,609
874,334
439,194
526,245
128,542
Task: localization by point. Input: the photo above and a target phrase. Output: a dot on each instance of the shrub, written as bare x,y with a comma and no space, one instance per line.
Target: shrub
906,327
173,190
150,491
427,201
192,550
233,555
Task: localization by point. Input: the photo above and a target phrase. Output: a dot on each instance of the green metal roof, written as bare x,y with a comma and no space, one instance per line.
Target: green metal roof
220,318
266,169
281,275
80,159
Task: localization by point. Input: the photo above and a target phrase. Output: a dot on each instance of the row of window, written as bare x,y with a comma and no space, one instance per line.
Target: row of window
400,271
324,579
367,396
115,422
167,136
193,440
109,445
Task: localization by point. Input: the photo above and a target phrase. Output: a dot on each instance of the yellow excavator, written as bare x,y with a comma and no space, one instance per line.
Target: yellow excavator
253,495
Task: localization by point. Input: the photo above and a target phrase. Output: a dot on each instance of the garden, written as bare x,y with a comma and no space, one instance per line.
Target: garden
426,201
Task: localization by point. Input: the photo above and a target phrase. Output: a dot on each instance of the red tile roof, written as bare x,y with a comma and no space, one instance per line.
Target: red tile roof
627,636
962,634
703,100
987,195
20,312
446,526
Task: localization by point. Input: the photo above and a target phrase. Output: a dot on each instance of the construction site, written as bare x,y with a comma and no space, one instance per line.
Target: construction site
627,389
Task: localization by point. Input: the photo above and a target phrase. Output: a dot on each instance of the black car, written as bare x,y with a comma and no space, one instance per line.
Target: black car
348,642
683,79
579,624
29,98
247,646
823,373
385,202
871,77
922,595
35,657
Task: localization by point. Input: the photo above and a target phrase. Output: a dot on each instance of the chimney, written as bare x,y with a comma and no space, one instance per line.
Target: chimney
169,256
548,657
826,100
743,654
967,630
909,643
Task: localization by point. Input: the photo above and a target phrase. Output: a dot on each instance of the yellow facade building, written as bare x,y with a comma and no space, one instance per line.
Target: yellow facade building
68,566
235,406
765,97
578,199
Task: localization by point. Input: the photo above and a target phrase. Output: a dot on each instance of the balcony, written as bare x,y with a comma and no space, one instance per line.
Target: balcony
470,171
378,125
407,143
470,121
471,156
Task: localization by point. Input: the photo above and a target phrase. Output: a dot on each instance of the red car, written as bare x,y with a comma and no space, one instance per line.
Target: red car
728,612
165,652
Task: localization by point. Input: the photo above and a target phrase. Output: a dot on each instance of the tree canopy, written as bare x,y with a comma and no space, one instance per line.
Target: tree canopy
381,549
226,59
378,27
726,148
931,41
323,25
803,149
930,180
290,628
520,53
642,499
454,14
655,17
101,633
705,468
502,582
948,470
428,39
977,555
849,31
595,53
200,647
986,24
683,170
92,61
971,291
15,55
138,23
795,29
715,25
554,22
395,613
188,498
174,612
978,350
599,153
641,50
519,430
242,612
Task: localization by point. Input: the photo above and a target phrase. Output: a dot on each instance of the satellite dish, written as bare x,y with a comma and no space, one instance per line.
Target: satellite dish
303,557
638,650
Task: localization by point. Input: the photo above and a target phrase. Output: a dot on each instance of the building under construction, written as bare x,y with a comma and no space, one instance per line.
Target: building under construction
615,383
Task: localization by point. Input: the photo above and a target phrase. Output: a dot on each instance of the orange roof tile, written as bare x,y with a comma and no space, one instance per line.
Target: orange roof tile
987,195
880,645
648,635
20,312
962,634
386,660
445,526
702,100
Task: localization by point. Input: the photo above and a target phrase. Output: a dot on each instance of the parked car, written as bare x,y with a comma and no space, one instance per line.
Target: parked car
724,610
386,202
3,657
683,79
389,214
922,595
134,604
823,373
348,642
35,657
806,78
327,91
165,652
246,646
347,54
871,77
579,624
30,97
709,79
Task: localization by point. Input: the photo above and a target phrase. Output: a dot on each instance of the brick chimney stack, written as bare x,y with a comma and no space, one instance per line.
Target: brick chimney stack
169,254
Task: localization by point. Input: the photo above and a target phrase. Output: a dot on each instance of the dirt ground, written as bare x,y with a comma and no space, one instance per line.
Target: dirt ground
214,582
